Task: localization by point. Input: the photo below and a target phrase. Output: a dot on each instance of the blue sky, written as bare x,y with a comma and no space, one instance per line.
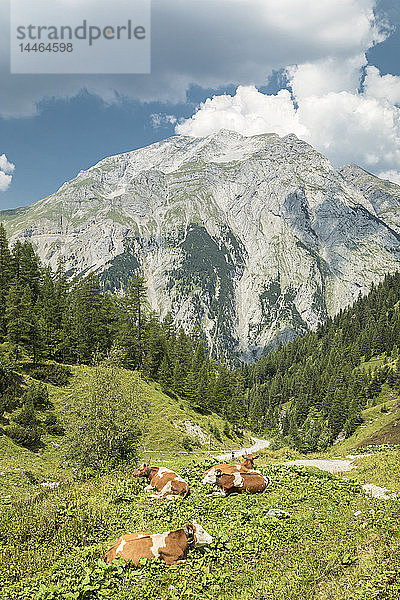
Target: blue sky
224,68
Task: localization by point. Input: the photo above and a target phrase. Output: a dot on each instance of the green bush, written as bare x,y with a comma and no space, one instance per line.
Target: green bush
25,416
51,373
38,395
215,432
227,429
104,431
23,436
189,443
52,425
10,384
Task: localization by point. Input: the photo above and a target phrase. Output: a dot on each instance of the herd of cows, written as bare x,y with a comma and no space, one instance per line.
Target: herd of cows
172,546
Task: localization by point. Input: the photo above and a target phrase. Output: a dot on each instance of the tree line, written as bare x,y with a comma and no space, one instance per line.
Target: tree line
46,316
314,388
306,392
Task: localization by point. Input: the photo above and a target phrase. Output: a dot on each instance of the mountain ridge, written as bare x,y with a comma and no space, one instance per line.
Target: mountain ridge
253,239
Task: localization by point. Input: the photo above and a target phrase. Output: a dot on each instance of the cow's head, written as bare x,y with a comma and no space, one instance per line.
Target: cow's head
142,471
249,459
198,534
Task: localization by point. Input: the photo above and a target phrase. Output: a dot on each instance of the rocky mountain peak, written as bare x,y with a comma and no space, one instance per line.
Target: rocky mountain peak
254,239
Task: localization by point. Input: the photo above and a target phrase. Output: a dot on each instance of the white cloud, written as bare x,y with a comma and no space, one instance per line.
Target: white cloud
350,23
5,181
249,112
353,128
384,87
345,126
324,76
6,167
393,176
161,119
213,45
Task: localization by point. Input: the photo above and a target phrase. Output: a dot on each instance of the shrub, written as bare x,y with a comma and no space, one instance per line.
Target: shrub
215,432
38,395
10,384
189,443
227,429
52,425
25,416
51,373
104,431
23,436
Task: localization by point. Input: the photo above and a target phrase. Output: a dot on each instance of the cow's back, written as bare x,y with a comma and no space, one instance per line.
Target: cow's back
119,548
171,546
167,482
254,482
236,483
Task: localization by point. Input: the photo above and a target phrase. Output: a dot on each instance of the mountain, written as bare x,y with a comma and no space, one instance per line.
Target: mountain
252,239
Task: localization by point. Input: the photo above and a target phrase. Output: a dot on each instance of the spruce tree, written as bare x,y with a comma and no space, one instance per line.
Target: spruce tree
22,325
5,278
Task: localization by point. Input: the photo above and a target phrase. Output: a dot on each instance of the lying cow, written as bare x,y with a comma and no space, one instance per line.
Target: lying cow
171,546
246,466
236,483
163,480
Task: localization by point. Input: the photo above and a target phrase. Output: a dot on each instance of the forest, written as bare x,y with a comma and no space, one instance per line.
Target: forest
314,388
305,393
48,322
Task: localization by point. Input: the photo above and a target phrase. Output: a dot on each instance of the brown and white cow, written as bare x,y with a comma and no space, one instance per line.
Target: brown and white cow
246,466
171,546
236,483
163,480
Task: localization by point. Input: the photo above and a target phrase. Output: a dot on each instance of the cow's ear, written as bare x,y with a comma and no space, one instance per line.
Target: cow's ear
191,527
256,456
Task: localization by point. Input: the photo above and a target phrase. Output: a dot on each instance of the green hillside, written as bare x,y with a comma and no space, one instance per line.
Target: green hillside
169,428
336,544
312,392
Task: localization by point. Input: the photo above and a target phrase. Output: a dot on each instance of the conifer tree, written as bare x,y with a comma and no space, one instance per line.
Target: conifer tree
5,278
22,325
89,320
165,373
134,309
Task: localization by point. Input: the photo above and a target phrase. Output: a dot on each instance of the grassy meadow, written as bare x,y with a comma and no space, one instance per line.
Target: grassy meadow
164,436
336,544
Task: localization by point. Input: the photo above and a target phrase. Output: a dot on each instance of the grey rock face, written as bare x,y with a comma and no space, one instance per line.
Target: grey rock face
253,239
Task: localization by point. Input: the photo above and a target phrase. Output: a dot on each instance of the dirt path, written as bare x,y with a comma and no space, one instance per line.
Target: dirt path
258,445
340,465
332,465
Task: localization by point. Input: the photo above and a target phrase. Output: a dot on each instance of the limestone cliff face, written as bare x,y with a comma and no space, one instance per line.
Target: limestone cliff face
254,239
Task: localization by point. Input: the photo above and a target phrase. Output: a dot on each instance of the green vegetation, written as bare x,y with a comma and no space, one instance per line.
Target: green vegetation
336,544
381,468
162,423
47,319
314,389
91,384
376,427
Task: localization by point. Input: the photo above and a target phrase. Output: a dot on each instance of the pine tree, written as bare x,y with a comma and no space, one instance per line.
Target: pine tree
22,325
5,278
165,373
48,315
134,309
90,318
27,267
